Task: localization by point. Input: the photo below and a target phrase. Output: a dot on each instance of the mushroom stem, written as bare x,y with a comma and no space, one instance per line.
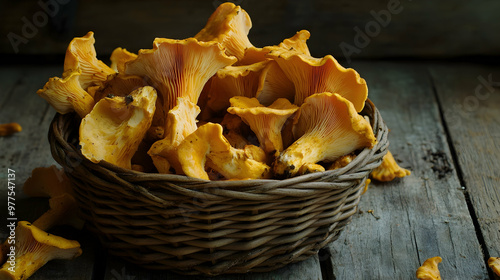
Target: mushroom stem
9,129
34,248
62,211
47,182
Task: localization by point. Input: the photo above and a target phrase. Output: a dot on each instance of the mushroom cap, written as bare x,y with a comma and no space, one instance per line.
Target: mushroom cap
297,42
245,80
314,75
119,57
429,269
178,68
47,182
7,129
181,121
193,151
265,122
34,248
208,146
494,264
67,95
389,169
81,55
326,127
276,83
228,25
116,126
117,85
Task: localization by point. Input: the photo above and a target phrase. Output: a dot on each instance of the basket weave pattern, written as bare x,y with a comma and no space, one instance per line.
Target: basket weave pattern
192,226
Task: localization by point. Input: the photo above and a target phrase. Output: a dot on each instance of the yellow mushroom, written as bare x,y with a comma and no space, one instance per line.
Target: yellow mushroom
181,121
494,264
63,211
246,80
8,129
342,161
47,182
119,57
207,146
265,122
236,131
116,126
276,83
310,168
429,269
297,42
314,75
81,56
117,85
229,25
389,169
33,249
178,68
67,95
327,127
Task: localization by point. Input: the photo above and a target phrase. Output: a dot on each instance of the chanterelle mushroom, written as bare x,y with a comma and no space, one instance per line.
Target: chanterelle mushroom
81,56
178,68
181,121
276,84
208,146
117,85
8,129
63,211
429,269
67,95
314,75
389,169
327,127
47,182
494,264
245,80
34,248
119,57
228,25
265,122
116,126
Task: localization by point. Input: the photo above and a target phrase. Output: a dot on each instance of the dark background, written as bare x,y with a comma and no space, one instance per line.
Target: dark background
416,29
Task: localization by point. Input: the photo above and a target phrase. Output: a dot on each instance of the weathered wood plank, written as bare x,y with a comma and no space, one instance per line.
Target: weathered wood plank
421,216
470,98
383,28
29,149
308,269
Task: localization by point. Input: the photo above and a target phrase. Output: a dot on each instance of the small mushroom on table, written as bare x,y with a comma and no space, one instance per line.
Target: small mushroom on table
34,248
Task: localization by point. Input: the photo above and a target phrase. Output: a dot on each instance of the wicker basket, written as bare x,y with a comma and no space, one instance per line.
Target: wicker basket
192,226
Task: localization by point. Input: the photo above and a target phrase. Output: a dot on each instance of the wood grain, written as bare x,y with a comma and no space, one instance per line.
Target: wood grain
418,217
470,98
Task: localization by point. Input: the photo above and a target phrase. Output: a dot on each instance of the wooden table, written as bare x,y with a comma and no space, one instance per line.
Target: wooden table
445,127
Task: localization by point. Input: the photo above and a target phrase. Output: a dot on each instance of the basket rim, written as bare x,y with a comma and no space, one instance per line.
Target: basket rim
58,132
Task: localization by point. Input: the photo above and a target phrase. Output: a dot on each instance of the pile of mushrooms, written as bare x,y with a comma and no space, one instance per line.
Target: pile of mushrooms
214,106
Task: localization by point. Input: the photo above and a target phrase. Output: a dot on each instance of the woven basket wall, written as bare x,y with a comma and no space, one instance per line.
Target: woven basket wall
193,226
